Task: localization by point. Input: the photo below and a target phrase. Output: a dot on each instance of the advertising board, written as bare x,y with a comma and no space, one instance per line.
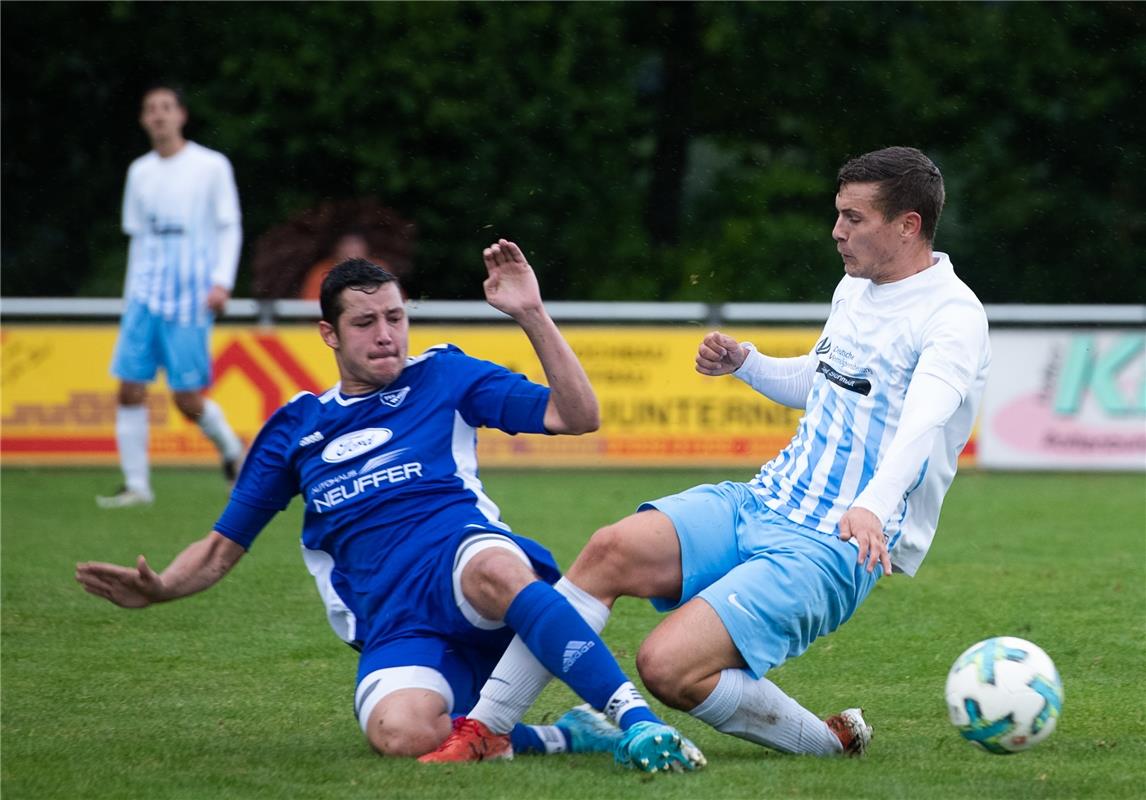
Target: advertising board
1065,400
58,400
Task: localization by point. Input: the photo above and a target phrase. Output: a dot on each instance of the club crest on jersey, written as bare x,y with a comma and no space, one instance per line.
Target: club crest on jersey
395,398
355,444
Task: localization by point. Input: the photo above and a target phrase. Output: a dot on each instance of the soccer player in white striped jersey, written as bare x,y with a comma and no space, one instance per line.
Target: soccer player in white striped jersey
181,210
753,572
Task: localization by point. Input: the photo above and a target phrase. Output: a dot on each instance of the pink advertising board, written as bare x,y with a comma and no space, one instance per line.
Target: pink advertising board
1065,400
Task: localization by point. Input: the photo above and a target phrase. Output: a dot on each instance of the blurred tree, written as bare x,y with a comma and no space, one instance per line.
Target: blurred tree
638,151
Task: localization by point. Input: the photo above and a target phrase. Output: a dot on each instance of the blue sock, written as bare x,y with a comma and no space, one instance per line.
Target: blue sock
635,715
531,739
564,643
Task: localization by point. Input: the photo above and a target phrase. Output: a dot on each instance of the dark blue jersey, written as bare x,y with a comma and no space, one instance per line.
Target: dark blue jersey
390,482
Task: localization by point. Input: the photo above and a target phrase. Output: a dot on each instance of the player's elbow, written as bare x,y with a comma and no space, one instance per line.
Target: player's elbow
573,421
222,554
588,422
565,429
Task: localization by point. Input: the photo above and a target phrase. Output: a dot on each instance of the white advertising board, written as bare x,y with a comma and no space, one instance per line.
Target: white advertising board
1069,400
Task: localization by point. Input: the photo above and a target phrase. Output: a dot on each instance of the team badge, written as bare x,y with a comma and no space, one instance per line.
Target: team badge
394,399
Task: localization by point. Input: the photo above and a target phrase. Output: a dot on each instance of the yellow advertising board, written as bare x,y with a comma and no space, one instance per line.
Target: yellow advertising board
58,400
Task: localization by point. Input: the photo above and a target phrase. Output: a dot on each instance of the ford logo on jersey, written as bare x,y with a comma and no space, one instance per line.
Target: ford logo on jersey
355,444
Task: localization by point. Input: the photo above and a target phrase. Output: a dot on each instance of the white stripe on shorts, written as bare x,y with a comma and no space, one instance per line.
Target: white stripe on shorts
382,682
466,551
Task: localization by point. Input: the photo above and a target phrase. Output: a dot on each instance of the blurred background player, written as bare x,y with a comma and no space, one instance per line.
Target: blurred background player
181,210
351,244
754,572
291,258
416,568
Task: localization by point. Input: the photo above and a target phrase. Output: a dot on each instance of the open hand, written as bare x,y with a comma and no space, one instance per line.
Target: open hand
511,286
124,586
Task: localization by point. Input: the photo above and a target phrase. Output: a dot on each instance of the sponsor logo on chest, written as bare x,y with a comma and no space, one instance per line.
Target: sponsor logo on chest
844,370
352,445
355,485
377,472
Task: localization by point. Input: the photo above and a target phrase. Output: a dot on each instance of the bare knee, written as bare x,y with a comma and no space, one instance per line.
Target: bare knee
394,731
681,660
601,563
636,557
131,394
493,578
660,669
404,740
190,405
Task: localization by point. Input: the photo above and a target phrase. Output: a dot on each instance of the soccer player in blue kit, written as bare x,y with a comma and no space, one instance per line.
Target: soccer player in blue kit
411,558
753,572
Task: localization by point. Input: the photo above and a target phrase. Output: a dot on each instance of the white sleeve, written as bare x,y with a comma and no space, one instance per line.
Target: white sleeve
132,219
229,241
929,403
229,232
787,381
956,336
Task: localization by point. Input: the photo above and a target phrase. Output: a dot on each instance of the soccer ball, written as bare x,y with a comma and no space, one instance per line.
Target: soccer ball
1004,694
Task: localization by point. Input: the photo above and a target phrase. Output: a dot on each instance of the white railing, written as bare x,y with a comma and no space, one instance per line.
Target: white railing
13,309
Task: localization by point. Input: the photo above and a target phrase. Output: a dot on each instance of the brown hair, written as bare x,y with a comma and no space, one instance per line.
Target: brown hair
908,181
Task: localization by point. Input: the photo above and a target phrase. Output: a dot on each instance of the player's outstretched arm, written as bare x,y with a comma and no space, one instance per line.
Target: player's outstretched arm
719,354
200,566
512,288
786,381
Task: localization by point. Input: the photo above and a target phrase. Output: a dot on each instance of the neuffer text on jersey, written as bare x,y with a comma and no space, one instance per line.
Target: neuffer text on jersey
336,496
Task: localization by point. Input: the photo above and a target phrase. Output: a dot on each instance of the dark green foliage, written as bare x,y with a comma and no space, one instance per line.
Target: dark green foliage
639,151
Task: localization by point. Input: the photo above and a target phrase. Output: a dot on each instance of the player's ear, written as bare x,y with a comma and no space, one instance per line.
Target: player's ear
910,224
328,333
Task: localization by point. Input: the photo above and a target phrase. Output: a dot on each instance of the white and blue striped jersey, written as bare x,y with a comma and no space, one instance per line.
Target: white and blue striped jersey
174,209
876,339
386,478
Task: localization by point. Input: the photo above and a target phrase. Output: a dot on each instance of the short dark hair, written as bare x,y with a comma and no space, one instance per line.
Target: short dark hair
908,181
165,86
353,273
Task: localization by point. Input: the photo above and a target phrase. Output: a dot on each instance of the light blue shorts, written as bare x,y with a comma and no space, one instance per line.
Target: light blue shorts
777,586
148,341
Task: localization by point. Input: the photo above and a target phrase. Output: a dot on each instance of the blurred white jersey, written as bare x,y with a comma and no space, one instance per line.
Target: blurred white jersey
173,210
876,339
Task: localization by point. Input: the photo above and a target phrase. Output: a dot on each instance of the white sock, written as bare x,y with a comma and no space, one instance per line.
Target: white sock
214,423
624,700
759,711
518,678
131,435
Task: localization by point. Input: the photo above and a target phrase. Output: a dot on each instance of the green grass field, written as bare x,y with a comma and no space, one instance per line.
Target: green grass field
243,692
